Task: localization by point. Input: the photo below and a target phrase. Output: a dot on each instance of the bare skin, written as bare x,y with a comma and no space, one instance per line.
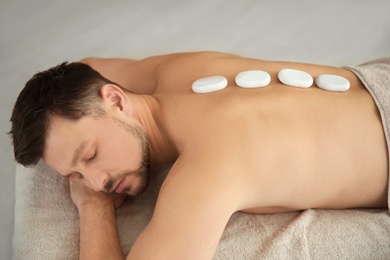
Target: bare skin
265,150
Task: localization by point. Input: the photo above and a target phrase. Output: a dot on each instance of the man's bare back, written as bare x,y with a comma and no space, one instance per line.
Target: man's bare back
263,150
288,148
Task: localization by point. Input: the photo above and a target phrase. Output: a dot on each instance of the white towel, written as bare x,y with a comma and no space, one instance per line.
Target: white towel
47,226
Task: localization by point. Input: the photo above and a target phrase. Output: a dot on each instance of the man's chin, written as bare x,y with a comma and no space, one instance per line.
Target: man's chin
136,191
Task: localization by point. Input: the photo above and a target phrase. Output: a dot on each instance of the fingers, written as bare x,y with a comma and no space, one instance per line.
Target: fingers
118,199
76,175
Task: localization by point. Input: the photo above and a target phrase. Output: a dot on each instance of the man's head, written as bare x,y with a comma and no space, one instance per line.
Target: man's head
69,111
68,90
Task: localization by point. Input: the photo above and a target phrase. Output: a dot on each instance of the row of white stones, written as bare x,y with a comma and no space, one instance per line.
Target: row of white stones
259,78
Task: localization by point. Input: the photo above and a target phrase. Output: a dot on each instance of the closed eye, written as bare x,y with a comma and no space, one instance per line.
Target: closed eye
92,157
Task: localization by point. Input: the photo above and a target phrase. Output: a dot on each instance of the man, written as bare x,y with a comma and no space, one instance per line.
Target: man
264,150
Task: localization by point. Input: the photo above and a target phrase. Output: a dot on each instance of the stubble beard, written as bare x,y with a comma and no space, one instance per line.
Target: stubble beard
142,174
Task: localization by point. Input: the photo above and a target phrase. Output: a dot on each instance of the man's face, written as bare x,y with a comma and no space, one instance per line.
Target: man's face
112,155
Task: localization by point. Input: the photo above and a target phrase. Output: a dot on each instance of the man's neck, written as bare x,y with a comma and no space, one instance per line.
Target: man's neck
145,109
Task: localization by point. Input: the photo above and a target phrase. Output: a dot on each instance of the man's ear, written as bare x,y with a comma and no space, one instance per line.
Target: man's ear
114,97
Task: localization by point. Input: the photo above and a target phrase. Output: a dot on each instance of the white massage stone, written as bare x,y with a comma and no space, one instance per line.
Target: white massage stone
253,79
332,82
295,78
209,84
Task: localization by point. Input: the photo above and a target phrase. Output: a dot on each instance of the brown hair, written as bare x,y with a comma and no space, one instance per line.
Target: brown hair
69,90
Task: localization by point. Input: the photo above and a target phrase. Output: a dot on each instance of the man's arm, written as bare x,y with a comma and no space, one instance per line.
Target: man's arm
190,216
99,237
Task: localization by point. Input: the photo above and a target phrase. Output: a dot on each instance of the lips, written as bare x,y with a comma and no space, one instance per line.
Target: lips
121,186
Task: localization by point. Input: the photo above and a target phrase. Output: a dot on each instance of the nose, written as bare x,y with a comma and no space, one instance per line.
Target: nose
95,180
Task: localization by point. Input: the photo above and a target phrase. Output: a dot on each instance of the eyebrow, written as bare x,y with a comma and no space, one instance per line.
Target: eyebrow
78,152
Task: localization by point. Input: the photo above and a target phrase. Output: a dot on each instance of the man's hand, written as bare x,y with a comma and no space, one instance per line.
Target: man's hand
82,195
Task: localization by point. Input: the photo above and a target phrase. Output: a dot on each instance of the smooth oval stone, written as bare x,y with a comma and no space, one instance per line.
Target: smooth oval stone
253,79
332,82
295,78
209,84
